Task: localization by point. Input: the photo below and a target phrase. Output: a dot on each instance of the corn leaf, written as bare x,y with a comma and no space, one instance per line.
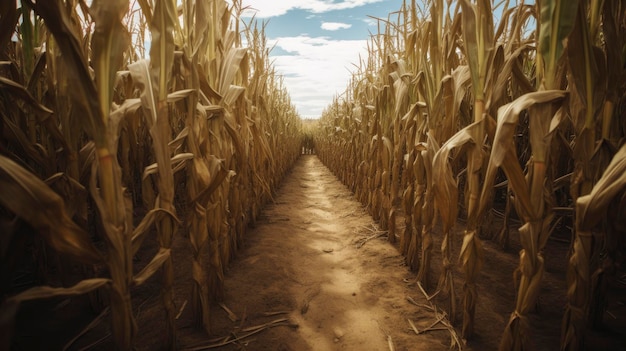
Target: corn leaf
21,92
503,151
592,208
84,89
108,43
587,71
216,173
153,216
45,292
140,73
177,162
152,267
162,47
478,40
557,19
33,201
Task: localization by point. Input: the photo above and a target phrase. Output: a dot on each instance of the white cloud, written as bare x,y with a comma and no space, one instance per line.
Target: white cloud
370,22
271,8
335,25
317,69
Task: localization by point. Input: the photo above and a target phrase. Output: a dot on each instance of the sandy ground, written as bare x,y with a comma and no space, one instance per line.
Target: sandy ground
308,261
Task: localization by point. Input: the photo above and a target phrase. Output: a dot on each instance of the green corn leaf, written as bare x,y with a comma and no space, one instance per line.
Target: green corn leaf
557,19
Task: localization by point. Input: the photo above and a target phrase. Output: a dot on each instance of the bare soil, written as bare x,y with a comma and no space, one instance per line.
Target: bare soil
318,274
310,261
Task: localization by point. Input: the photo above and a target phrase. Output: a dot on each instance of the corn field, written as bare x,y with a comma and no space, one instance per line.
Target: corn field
155,119
464,109
126,120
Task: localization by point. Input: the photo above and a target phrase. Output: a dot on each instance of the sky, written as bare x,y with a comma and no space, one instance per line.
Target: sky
316,44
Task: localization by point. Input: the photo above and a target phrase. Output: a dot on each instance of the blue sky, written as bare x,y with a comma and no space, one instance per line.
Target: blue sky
316,43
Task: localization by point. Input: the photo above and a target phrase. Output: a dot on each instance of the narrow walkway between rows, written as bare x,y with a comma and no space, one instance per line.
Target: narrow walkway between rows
317,274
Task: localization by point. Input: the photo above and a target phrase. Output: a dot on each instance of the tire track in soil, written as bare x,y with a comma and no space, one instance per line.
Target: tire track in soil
302,259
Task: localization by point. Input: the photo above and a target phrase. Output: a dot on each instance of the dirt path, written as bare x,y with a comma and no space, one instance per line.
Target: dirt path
307,280
305,263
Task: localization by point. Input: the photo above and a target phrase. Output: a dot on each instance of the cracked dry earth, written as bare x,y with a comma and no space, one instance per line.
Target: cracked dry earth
307,278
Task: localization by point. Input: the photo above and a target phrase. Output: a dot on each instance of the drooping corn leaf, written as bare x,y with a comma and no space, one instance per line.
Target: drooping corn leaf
45,292
33,201
152,267
140,72
591,208
232,94
177,162
153,216
511,62
444,183
216,174
503,151
18,138
10,306
179,95
21,92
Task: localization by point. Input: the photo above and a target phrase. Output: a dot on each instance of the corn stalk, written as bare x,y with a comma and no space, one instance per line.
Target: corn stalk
591,106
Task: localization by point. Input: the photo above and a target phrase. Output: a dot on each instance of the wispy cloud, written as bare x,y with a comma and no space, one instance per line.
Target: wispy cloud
316,45
335,25
316,69
370,21
272,8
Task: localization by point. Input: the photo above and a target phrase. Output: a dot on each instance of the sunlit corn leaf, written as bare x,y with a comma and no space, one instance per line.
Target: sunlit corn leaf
140,72
232,94
503,152
444,181
179,95
177,162
478,41
230,66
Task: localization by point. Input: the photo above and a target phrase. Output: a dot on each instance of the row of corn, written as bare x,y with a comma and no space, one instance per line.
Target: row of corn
103,146
458,98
